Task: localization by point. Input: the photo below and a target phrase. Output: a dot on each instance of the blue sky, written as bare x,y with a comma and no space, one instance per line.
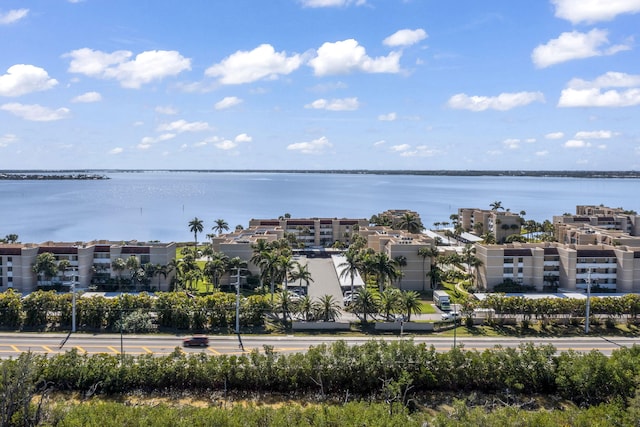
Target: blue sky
320,84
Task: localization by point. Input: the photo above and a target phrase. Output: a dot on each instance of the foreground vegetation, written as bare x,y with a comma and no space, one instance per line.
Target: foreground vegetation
377,383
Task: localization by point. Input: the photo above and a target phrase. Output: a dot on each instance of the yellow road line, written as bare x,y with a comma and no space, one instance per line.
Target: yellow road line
82,350
116,351
46,347
147,350
16,349
214,351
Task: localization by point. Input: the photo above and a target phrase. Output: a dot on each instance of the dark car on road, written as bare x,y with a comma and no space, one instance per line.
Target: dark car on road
196,341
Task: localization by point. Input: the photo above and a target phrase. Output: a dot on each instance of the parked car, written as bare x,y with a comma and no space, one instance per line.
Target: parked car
196,341
450,316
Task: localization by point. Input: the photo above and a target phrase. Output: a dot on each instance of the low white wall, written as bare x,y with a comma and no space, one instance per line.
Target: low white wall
321,326
406,327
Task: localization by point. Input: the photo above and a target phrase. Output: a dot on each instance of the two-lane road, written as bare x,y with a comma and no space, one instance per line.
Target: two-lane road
11,345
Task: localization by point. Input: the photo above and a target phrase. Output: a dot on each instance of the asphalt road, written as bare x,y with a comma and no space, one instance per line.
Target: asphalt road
11,345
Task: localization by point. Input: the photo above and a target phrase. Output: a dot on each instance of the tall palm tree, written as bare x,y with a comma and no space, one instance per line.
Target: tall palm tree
401,262
410,222
424,252
351,266
132,264
215,268
495,206
410,304
221,225
385,269
196,226
302,274
119,266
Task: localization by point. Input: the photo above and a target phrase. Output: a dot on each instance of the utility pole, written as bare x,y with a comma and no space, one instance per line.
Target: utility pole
73,300
238,308
586,320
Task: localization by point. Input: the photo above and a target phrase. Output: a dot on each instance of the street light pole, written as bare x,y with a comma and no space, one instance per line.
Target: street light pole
73,300
455,325
586,320
238,308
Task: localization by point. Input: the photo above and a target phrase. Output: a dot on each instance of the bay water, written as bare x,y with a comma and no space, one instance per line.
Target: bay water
157,205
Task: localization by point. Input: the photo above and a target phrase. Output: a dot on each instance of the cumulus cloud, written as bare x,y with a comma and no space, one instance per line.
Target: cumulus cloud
345,104
576,143
542,153
260,63
502,102
331,3
574,45
21,79
405,37
116,151
88,97
147,141
406,150
583,93
590,11
227,102
35,112
511,143
348,56
146,67
243,137
183,126
555,135
317,146
387,117
13,16
166,110
597,134
379,143
6,139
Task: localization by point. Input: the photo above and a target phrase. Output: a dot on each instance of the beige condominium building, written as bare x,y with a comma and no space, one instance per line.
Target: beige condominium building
566,266
598,225
480,221
87,262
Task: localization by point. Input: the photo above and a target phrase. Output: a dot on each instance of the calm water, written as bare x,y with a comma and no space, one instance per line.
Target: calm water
158,205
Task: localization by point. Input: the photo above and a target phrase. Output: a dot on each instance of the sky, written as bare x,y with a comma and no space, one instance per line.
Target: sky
320,84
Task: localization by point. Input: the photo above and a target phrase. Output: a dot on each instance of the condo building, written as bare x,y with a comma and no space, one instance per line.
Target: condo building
480,221
89,263
598,225
571,267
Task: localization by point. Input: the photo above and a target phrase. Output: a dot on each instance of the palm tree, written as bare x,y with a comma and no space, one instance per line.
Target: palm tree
221,225
410,222
410,304
385,269
63,266
497,205
215,268
132,264
11,238
488,238
365,303
351,266
119,266
196,226
389,301
424,252
400,261
328,308
302,274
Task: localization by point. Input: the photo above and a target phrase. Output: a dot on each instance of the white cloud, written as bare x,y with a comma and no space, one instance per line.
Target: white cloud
183,126
400,147
379,143
88,97
419,151
576,143
21,79
345,104
146,67
530,140
13,16
243,137
6,139
387,117
347,56
166,110
502,102
148,141
35,112
116,150
555,135
227,102
590,11
405,37
262,62
597,98
597,134
542,153
317,146
511,143
332,3
583,93
574,45
226,145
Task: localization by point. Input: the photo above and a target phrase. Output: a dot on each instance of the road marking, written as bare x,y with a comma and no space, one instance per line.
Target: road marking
116,351
82,350
214,351
147,350
16,349
48,350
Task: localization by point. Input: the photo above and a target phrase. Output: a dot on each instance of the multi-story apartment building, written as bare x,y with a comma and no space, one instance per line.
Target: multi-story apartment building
569,267
315,232
480,221
88,262
598,224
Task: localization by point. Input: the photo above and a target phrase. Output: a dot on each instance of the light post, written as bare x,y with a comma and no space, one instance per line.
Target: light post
455,325
586,320
238,308
73,300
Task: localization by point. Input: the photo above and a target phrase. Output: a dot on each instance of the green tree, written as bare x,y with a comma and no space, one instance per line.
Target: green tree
328,308
389,301
410,304
221,225
351,266
365,304
385,270
410,222
196,226
45,267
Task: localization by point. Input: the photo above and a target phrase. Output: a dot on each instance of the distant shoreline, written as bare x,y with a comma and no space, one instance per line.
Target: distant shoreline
97,174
